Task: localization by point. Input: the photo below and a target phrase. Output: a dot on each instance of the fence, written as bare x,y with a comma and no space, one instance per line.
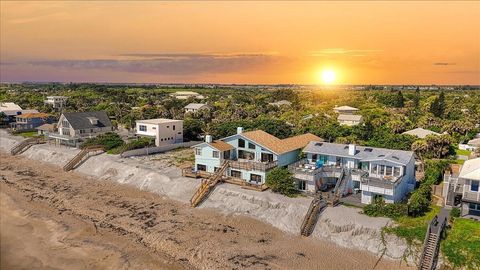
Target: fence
156,150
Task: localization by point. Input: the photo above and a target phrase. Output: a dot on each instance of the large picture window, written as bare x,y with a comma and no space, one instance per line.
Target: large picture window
236,174
242,154
241,143
251,146
267,157
396,171
255,178
201,167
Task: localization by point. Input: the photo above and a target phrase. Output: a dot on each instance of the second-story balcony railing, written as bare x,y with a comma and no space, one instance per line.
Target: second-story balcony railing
303,167
252,165
381,182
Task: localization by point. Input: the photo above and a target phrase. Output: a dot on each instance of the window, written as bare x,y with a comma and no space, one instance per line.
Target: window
173,127
142,128
215,169
251,146
255,178
267,157
168,126
154,127
226,154
389,170
374,168
179,132
236,174
474,185
314,157
241,143
198,151
82,131
396,171
242,154
381,171
201,167
302,185
65,123
216,154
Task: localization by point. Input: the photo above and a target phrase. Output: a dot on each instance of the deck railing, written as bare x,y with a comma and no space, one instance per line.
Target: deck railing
252,165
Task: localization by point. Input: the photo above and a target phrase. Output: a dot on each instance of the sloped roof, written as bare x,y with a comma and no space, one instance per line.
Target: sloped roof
47,127
9,106
345,108
362,153
80,120
33,115
349,117
277,145
420,132
195,106
471,169
474,142
221,145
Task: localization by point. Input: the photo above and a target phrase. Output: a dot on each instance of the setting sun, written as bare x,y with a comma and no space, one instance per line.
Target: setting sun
327,76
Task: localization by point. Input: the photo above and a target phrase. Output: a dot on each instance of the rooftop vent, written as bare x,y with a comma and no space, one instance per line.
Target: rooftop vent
318,144
395,157
368,150
381,156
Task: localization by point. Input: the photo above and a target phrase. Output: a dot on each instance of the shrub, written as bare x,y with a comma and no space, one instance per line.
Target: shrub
108,140
379,208
455,213
136,144
280,180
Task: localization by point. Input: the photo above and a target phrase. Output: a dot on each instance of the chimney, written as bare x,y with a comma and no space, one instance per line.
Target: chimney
208,138
351,149
239,130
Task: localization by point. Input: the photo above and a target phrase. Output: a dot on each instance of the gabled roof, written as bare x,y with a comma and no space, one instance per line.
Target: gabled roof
80,120
420,132
362,153
47,127
277,145
349,117
195,106
221,145
471,169
345,108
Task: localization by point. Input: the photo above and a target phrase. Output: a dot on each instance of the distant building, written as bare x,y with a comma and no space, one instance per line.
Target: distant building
46,129
30,121
463,190
349,119
74,127
57,102
186,95
281,103
471,145
195,107
420,133
165,131
345,110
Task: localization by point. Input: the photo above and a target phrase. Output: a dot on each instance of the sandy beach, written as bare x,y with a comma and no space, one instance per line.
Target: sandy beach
53,219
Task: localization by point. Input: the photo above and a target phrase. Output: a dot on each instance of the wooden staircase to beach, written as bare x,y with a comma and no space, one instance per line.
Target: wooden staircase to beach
339,189
81,155
431,245
310,219
25,144
207,185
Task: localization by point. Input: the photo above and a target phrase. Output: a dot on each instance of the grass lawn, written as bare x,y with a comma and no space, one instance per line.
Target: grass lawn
28,134
462,152
413,229
462,245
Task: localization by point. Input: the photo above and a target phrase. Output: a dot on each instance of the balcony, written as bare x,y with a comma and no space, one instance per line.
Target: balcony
383,185
471,196
249,165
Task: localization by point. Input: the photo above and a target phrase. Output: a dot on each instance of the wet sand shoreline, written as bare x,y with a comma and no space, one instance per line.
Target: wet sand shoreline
99,215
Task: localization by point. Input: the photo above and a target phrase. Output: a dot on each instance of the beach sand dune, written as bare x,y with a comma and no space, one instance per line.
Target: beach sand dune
51,219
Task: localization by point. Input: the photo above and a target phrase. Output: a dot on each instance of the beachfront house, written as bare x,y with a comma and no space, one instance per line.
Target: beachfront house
165,131
74,127
420,133
463,189
471,145
30,121
10,110
373,172
250,155
195,107
57,102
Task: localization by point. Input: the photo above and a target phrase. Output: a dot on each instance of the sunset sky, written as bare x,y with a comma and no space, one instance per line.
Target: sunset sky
241,42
